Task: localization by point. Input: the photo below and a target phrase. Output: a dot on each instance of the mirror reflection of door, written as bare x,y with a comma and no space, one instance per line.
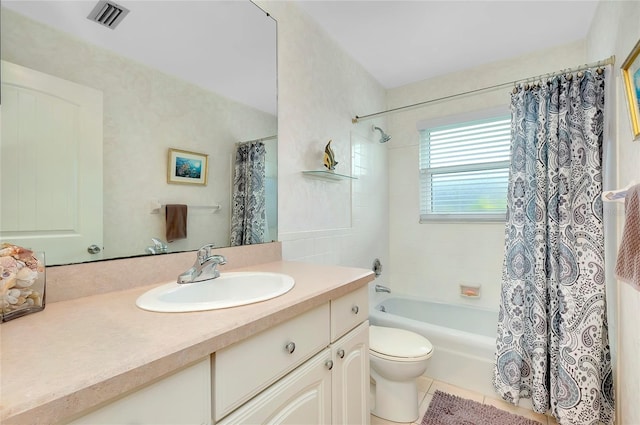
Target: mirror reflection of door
51,135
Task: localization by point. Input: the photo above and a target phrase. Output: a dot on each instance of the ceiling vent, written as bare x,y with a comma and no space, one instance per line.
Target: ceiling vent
108,13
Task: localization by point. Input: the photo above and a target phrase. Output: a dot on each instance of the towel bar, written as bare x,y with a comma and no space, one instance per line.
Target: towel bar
617,195
156,207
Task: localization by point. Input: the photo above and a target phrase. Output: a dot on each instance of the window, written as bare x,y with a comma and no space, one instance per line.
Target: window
464,170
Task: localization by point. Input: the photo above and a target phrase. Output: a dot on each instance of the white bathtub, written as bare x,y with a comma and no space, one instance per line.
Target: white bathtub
464,338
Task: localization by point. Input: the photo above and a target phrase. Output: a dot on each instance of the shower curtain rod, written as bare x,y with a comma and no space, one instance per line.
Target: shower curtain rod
258,140
608,61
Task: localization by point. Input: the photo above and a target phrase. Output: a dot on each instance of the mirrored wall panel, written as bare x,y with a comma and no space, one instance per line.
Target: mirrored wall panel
106,129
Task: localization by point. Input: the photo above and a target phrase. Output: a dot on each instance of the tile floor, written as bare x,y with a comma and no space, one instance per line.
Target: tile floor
427,387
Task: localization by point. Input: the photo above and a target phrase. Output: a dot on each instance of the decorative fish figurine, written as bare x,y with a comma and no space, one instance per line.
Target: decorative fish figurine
329,159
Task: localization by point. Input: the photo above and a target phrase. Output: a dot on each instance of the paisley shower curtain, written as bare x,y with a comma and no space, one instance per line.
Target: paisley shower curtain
552,343
248,215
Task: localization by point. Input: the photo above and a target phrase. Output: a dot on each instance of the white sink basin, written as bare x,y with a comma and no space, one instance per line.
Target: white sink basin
228,290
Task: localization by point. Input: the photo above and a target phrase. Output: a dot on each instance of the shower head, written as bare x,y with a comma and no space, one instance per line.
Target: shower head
384,137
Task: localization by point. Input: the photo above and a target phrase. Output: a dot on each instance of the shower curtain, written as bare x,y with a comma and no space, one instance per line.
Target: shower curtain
248,215
552,343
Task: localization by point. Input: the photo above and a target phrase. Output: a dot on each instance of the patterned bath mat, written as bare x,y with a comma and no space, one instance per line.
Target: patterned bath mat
447,409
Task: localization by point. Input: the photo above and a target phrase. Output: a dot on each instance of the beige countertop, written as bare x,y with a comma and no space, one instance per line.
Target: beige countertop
80,353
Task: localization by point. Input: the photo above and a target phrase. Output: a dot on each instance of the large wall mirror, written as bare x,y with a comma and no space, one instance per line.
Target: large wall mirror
111,103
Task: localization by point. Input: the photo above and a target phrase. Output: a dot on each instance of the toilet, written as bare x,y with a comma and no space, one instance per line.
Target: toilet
397,357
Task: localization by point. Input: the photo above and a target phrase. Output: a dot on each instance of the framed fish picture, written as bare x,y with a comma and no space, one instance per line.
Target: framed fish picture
631,77
186,167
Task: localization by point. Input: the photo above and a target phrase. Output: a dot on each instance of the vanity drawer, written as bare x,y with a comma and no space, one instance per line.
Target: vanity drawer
244,369
349,311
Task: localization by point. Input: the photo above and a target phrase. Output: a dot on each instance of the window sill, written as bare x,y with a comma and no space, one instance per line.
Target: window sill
463,218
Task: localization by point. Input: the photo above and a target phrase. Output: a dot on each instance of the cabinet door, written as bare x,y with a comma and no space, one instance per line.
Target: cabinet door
302,397
350,387
181,398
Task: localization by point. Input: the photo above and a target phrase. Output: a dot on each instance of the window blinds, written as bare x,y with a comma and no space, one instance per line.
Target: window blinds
464,170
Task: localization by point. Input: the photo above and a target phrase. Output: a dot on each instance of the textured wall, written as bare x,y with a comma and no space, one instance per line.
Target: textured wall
320,88
615,30
145,113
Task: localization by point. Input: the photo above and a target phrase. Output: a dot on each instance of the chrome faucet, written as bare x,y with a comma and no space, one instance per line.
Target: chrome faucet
205,266
159,247
380,288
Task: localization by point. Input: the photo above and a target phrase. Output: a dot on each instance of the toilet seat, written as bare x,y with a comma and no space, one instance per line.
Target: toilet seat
398,344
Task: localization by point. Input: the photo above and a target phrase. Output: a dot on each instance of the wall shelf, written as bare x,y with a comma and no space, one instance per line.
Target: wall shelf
328,175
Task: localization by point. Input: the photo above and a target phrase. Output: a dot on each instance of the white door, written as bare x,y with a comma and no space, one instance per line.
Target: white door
350,381
50,165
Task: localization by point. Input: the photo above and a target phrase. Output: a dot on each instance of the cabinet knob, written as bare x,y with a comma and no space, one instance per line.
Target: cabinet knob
290,347
329,364
355,309
340,353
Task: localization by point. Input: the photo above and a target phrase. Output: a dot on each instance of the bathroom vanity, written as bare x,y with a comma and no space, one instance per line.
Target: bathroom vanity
301,358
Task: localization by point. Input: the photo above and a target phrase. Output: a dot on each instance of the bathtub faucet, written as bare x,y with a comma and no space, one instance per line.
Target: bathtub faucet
380,288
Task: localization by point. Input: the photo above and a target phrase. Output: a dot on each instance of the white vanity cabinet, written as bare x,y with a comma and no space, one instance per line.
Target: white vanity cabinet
312,369
327,384
183,397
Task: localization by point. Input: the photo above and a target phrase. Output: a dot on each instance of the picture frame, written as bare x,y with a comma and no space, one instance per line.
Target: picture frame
185,167
631,78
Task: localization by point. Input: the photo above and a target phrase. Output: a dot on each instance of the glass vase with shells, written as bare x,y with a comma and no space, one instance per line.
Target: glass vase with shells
22,281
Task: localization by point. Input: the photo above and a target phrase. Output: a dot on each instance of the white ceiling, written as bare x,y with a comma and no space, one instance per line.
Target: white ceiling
400,42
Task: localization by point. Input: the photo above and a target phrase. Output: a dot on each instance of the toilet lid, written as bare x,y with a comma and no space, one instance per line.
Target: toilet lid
395,342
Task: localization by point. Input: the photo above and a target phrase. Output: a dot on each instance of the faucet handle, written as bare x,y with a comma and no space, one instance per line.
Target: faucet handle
159,245
205,252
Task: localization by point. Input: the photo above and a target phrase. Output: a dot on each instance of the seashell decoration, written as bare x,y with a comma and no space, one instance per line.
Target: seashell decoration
329,159
21,281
